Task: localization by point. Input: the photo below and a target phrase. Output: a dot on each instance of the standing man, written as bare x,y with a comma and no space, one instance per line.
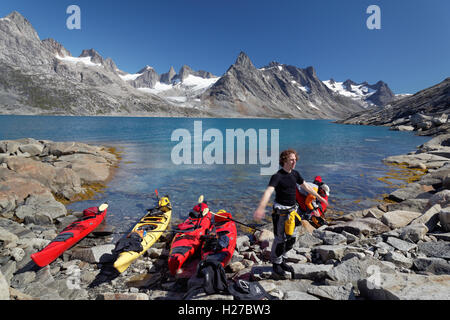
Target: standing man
284,183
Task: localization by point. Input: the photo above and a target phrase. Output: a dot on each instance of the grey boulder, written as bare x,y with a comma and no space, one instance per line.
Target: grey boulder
402,286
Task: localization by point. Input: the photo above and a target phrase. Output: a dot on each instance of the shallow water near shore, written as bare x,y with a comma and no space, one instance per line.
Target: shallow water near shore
347,157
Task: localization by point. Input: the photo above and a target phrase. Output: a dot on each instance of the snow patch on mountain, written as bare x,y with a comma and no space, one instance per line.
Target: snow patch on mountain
190,85
356,91
130,77
313,106
157,89
177,99
403,95
195,83
85,60
306,89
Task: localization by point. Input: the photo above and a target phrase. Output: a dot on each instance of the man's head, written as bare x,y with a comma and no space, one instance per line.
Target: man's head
288,159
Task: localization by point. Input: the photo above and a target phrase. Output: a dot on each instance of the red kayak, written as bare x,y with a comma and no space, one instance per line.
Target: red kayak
188,240
73,233
220,243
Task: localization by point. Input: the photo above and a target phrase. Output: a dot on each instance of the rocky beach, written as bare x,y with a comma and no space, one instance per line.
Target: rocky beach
399,249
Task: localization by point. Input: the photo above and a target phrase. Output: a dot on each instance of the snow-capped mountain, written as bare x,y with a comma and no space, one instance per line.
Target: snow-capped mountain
276,90
182,89
425,111
42,77
377,94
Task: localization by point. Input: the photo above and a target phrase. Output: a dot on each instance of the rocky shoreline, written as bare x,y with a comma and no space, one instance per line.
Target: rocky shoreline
396,250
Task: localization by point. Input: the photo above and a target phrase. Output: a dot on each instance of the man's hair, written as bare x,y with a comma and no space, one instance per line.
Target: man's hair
285,155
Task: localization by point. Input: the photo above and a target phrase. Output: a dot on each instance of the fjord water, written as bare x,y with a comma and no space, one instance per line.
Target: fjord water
348,157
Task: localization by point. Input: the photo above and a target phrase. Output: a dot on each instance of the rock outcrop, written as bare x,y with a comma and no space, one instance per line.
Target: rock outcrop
275,91
390,252
425,112
32,171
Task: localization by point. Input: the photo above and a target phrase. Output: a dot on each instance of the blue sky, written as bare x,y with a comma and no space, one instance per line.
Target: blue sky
410,52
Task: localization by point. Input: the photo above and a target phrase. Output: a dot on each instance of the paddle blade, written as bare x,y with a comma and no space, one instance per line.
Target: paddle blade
103,207
200,199
156,192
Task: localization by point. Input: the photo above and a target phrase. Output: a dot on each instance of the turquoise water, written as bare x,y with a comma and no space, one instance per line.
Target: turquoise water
347,157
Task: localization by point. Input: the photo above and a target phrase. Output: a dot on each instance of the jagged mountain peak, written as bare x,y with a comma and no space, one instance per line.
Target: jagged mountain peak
281,90
16,17
380,84
379,93
185,71
311,72
95,56
20,25
383,94
147,68
364,83
274,64
244,61
167,77
432,102
185,68
56,48
349,82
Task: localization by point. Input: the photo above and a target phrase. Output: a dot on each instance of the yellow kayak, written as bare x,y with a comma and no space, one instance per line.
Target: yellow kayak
149,228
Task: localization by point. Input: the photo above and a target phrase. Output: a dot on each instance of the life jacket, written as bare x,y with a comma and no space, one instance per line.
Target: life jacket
304,199
324,192
312,209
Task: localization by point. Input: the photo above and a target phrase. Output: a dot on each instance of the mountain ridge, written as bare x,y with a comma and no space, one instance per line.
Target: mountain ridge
276,90
422,111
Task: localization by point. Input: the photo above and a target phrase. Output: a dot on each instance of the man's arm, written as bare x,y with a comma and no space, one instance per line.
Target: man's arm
310,190
260,211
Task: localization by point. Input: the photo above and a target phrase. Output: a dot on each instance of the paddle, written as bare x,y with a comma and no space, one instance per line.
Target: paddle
200,200
157,197
246,225
103,207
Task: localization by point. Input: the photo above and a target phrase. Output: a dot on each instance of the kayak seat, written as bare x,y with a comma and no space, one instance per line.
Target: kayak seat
180,250
155,212
87,218
62,237
147,227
